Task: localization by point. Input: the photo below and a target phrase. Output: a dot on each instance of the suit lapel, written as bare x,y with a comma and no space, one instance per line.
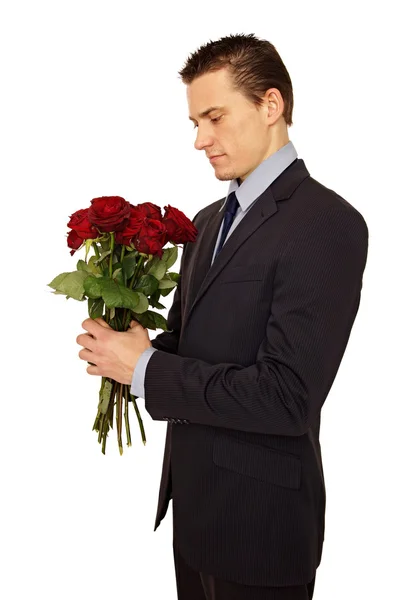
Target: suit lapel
201,274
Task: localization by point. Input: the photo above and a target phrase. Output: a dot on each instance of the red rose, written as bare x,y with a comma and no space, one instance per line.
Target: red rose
149,210
138,218
74,241
151,237
109,213
179,228
79,222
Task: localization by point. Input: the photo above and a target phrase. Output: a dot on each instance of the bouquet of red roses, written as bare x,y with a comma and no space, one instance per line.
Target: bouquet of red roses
127,273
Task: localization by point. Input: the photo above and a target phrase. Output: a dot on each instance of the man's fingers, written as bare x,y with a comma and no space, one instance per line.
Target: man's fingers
134,323
102,322
86,340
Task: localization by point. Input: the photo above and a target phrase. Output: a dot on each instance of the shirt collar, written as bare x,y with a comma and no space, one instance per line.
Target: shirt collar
262,176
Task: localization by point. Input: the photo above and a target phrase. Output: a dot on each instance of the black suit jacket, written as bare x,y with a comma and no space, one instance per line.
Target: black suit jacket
254,345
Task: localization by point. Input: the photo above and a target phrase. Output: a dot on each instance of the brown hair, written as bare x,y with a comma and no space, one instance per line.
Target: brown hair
254,65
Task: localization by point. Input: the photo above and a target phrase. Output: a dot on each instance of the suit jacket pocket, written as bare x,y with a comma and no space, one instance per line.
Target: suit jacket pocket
260,462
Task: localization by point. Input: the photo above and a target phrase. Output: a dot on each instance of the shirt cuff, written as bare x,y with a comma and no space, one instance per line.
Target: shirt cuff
137,385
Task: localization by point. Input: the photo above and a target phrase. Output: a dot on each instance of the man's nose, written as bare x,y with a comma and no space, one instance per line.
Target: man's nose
202,141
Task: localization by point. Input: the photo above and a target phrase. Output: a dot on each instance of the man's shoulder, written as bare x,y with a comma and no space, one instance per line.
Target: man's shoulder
205,212
321,198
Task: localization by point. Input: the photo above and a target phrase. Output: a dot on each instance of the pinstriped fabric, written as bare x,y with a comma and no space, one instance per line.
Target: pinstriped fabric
259,339
316,293
258,462
192,585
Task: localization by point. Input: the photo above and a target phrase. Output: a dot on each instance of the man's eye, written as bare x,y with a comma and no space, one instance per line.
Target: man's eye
213,120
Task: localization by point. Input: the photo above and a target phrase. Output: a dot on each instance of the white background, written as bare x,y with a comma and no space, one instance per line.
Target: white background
91,105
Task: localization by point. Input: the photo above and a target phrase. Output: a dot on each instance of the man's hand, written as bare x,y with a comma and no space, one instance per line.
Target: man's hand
114,354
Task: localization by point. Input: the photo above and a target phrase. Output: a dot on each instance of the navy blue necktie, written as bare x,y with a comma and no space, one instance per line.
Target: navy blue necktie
230,211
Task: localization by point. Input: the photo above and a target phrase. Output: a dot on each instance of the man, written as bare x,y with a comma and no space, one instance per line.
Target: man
258,326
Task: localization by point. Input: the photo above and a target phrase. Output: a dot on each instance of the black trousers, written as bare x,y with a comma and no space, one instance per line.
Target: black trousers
194,585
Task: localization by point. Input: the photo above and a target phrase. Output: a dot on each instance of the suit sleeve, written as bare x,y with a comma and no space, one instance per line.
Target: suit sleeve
316,295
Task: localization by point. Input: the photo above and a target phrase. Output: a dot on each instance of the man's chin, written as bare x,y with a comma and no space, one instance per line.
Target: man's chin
224,176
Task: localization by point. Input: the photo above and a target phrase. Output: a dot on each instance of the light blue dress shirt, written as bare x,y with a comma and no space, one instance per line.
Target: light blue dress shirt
247,193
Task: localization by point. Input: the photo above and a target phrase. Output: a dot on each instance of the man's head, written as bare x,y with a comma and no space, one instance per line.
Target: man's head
247,77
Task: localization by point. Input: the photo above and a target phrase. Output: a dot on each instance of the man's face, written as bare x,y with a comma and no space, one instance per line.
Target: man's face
237,131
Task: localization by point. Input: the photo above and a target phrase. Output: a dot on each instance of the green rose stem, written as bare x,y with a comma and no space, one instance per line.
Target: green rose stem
97,421
103,421
118,416
139,418
119,386
127,318
120,391
137,269
96,250
110,270
122,253
126,415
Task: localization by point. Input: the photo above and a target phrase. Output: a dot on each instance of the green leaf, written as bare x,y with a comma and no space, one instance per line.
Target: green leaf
166,291
93,286
129,264
81,265
57,281
170,255
105,243
174,276
147,284
158,305
71,284
118,276
157,268
116,295
143,304
159,321
152,320
96,306
154,298
92,267
166,283
102,256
